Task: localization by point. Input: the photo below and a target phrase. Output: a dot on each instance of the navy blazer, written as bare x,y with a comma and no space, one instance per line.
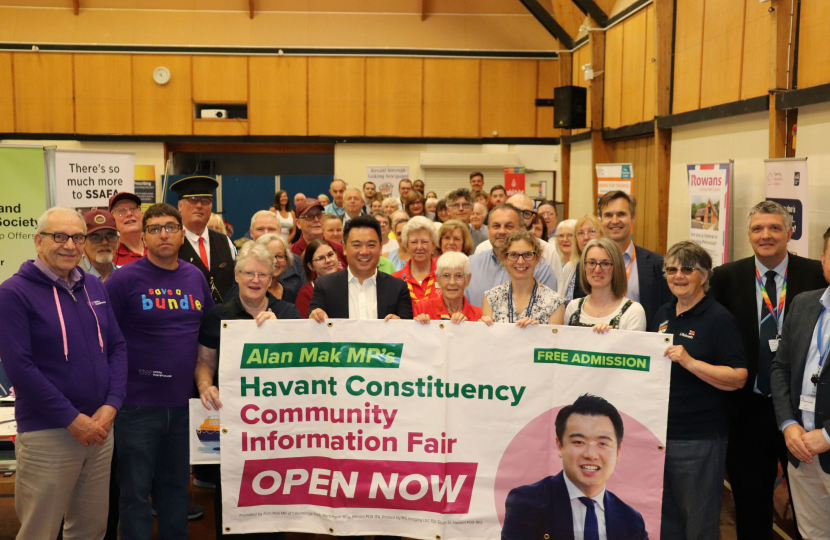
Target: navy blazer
654,290
331,294
542,511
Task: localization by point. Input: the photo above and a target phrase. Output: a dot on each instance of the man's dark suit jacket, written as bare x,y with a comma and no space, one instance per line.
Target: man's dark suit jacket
788,369
733,285
654,291
331,294
542,511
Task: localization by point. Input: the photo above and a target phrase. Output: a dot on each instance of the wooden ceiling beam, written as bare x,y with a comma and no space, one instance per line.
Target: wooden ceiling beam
546,19
590,7
251,8
76,6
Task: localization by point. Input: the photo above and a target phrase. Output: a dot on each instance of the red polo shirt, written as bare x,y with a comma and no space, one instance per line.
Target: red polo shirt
435,308
419,291
299,246
124,255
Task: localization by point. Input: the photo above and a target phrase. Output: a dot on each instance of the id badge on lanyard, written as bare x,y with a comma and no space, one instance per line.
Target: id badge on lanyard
775,313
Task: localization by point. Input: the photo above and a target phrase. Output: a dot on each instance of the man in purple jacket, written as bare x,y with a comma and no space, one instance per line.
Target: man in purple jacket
67,360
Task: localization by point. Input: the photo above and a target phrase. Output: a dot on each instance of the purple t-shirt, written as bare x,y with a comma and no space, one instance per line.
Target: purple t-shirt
160,312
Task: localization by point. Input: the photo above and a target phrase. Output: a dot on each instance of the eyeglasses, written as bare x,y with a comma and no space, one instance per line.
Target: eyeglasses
97,238
589,232
685,270
459,277
527,214
169,227
604,265
62,238
252,275
565,236
124,210
279,258
548,214
460,206
328,257
514,255
312,217
204,201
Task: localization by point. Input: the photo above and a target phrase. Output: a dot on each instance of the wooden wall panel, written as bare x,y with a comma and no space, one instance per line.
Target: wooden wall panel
452,97
279,95
162,109
756,55
639,152
723,27
220,79
649,83
612,102
43,93
394,96
813,67
548,80
688,53
215,126
103,94
6,94
336,96
508,94
581,57
633,68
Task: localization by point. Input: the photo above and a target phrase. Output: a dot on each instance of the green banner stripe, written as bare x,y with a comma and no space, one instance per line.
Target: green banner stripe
289,355
591,359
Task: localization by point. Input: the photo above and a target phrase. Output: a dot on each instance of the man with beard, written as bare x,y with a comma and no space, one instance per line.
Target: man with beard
102,241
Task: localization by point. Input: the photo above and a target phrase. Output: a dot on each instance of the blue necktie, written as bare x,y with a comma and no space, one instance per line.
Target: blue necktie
591,526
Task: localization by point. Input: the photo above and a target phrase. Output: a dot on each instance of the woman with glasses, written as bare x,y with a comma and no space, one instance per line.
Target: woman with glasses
255,267
602,277
283,258
414,204
319,259
708,361
420,237
564,236
454,236
452,272
522,300
586,229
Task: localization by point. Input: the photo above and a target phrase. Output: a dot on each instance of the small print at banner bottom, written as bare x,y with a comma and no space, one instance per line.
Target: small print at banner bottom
424,431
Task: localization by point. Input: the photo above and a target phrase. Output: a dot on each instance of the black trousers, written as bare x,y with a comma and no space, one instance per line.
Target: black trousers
756,447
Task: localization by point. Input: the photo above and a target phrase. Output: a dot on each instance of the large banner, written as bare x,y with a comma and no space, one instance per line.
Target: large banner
22,201
709,204
87,179
436,431
387,177
787,185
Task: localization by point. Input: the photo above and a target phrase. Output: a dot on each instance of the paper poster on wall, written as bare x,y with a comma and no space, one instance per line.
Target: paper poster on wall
386,178
145,184
87,179
22,201
787,185
204,434
614,177
514,180
709,198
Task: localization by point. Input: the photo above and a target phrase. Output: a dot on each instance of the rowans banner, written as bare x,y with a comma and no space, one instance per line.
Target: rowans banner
787,185
709,206
422,431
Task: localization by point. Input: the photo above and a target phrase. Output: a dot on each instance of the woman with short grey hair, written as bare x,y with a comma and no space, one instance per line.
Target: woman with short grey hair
419,238
283,258
453,275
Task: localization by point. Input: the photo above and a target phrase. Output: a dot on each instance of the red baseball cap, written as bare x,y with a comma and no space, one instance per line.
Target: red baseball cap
124,196
99,219
305,206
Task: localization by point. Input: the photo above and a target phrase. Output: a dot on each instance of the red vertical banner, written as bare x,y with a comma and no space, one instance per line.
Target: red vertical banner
514,180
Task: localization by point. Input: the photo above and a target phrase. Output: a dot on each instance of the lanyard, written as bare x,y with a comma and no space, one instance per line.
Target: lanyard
633,257
822,355
776,313
529,307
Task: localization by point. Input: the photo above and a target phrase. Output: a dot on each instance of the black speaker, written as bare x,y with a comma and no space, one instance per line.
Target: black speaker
569,106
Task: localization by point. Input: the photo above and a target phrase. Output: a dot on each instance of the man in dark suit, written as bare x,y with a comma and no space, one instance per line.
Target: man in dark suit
802,404
360,291
644,268
574,504
755,443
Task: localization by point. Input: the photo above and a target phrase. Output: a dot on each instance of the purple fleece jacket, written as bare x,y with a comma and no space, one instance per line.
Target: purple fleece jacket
51,387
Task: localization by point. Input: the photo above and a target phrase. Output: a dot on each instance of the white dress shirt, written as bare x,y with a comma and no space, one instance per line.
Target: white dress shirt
193,238
363,299
580,511
779,285
633,275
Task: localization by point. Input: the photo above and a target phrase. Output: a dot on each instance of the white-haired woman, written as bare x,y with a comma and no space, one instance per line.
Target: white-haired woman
420,238
390,205
254,269
564,236
283,258
452,272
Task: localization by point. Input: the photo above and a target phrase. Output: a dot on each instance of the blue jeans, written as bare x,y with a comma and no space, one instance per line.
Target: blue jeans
153,458
693,489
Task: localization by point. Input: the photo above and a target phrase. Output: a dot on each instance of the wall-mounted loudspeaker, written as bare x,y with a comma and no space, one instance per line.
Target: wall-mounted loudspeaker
569,106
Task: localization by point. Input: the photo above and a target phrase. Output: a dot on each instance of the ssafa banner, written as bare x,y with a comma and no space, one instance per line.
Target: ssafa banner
709,204
22,201
386,178
514,180
787,185
87,179
614,177
436,431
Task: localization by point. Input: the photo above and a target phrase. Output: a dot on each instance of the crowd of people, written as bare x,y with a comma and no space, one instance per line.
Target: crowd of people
116,322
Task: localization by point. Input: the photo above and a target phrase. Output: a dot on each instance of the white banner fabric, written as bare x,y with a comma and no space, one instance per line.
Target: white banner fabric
372,427
787,185
85,179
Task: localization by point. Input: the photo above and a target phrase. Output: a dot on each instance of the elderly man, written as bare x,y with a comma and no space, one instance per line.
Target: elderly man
159,301
101,243
310,223
293,278
297,198
126,208
212,252
337,190
353,204
460,204
64,353
485,267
